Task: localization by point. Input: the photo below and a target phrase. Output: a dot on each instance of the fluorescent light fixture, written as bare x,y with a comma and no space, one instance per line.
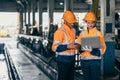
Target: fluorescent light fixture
61,3
18,1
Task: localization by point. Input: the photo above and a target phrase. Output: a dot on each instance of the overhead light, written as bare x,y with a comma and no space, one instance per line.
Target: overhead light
19,2
61,3
89,1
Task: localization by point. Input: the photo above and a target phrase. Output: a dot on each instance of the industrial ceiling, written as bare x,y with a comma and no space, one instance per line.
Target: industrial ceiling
16,5
8,6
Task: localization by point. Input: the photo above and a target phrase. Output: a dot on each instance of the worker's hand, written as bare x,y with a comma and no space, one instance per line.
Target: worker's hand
87,48
73,46
77,46
70,46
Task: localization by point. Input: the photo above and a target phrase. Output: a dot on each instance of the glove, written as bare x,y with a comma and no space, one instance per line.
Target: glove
86,48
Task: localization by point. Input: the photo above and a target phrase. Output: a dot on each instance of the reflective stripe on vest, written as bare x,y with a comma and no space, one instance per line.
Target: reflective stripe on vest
65,34
65,53
66,42
90,57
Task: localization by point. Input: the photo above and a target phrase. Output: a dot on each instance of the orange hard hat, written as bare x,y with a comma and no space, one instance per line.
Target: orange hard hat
69,17
90,16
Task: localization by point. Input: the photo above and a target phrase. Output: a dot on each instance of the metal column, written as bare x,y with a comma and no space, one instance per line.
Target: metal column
21,20
32,19
28,11
24,16
108,27
40,7
68,5
50,12
28,18
50,9
95,7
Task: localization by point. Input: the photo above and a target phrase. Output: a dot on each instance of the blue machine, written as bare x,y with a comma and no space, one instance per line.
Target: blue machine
108,59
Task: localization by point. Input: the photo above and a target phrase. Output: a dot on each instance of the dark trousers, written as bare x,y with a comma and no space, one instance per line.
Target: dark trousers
91,69
65,70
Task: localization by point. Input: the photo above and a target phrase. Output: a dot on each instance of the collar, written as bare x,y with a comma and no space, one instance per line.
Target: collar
93,29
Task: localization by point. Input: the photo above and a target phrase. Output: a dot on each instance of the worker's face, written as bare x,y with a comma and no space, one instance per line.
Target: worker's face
69,24
90,24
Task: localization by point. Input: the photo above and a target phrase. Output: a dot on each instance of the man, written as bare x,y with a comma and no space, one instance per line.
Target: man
64,47
91,57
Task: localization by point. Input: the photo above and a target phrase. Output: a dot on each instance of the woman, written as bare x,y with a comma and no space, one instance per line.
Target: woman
91,57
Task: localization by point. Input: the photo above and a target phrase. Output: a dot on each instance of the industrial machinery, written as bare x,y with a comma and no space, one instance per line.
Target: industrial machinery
39,44
117,31
117,38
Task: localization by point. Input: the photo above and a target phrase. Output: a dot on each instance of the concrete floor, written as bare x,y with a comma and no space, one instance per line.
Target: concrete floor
3,68
26,69
29,71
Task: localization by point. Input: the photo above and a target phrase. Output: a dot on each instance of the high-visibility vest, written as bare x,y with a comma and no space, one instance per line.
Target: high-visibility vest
64,36
91,33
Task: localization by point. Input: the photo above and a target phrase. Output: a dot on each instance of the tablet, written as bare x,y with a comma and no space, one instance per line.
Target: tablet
94,42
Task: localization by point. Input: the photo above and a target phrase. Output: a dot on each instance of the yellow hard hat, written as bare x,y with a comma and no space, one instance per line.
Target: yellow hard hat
69,17
90,16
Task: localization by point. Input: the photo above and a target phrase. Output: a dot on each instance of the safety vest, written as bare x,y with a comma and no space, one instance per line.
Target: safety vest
64,35
92,32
